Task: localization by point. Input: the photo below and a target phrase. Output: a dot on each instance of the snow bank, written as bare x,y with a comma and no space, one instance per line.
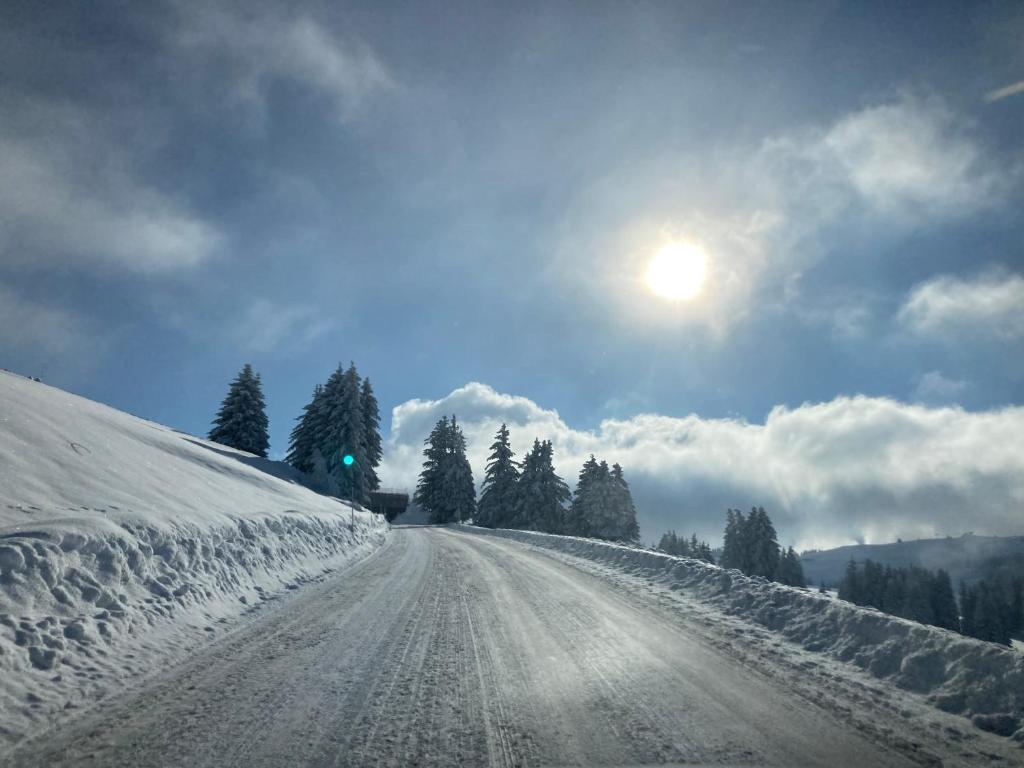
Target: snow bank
960,675
124,543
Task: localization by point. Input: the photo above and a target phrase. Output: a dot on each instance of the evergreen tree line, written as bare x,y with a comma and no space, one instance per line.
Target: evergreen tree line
912,593
528,495
445,490
241,421
993,610
342,419
750,544
671,544
531,496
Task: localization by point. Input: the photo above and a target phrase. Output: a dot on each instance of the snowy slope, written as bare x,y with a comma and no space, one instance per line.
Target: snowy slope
958,675
124,544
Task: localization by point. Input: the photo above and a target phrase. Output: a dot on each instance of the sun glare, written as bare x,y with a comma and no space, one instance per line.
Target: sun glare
677,271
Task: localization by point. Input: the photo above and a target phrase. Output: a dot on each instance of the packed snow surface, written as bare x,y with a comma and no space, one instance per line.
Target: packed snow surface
446,647
125,544
959,675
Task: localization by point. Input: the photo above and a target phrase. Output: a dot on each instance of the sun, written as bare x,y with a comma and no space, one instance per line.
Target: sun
677,271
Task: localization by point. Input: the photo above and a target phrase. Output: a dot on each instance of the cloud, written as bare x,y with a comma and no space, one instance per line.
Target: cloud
71,195
913,155
265,326
934,387
769,212
1009,90
991,303
829,473
253,50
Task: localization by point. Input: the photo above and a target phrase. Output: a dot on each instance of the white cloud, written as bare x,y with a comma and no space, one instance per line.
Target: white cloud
991,303
829,473
768,212
70,195
934,387
911,154
255,49
265,326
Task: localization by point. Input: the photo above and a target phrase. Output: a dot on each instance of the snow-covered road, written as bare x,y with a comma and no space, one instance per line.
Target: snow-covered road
447,647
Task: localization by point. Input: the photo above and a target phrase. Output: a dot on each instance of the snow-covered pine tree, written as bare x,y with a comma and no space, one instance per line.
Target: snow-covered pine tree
242,419
542,494
343,434
624,509
371,435
551,512
763,545
527,489
578,518
496,508
303,439
459,477
429,489
601,504
445,490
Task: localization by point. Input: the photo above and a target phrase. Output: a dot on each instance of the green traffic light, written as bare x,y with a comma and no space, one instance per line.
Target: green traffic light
349,460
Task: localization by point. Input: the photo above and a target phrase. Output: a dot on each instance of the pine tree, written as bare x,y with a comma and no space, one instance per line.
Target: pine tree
705,553
624,511
242,419
304,438
600,507
873,582
762,545
345,437
967,604
988,616
429,494
1016,624
459,477
578,522
733,555
943,601
496,508
372,449
445,490
917,602
542,494
850,585
671,544
791,570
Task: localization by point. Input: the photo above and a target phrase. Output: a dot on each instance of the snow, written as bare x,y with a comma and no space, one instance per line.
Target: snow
958,675
125,544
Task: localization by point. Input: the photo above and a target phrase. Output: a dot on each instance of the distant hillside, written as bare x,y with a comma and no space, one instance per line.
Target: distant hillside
962,557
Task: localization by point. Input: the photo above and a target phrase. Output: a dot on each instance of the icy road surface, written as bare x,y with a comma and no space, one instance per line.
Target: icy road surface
447,647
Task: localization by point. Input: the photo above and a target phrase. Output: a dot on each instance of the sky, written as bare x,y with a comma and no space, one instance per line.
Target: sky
464,199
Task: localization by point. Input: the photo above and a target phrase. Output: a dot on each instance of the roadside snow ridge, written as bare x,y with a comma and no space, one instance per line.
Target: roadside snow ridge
124,543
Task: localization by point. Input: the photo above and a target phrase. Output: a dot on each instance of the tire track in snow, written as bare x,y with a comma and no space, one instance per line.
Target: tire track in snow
450,648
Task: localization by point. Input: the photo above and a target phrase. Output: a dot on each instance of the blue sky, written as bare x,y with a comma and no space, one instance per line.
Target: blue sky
450,193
